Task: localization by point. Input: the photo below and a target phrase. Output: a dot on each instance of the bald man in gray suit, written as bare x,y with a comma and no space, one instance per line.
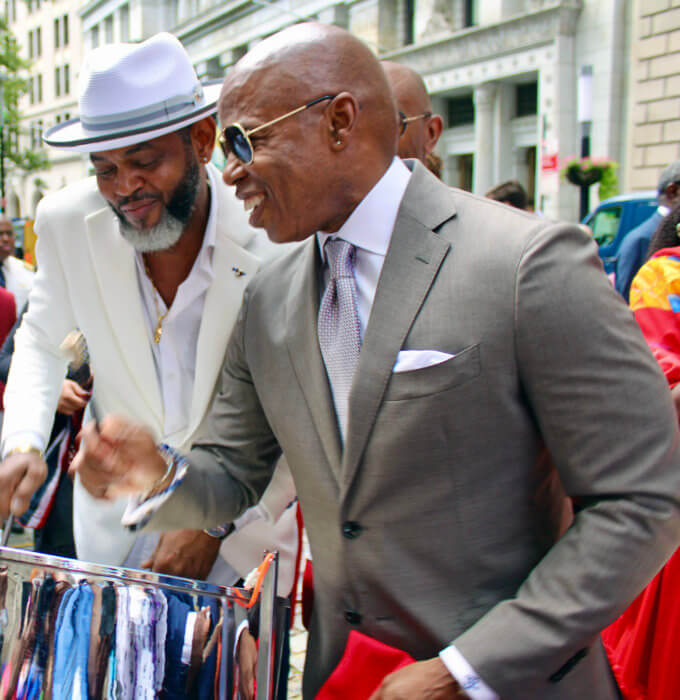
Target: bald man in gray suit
490,339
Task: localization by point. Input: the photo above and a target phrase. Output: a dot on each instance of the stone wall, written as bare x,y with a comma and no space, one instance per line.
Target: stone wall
654,118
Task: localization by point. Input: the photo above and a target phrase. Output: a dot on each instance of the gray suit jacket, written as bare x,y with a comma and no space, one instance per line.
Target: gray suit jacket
432,526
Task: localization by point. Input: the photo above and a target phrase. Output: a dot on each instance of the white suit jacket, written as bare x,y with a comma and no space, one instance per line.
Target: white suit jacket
86,279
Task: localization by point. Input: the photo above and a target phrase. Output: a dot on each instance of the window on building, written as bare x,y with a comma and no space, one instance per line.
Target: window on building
526,99
30,43
108,30
460,111
31,90
605,225
38,97
94,37
57,33
38,42
67,116
39,134
469,13
64,24
409,21
124,22
29,6
57,81
57,119
464,171
67,79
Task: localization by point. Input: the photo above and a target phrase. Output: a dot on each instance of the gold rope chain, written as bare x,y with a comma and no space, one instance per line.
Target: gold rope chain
160,317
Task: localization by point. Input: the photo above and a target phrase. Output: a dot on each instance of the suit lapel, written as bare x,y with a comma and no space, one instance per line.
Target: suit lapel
222,304
413,259
302,308
113,261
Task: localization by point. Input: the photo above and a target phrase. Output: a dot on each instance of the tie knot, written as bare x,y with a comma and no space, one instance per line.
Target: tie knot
340,257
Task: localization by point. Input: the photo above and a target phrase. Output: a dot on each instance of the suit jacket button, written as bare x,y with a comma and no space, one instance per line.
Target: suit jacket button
353,617
351,529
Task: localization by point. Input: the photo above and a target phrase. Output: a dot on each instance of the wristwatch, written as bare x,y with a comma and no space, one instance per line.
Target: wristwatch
221,531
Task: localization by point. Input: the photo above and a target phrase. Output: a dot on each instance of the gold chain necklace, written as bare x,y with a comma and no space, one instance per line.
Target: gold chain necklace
160,317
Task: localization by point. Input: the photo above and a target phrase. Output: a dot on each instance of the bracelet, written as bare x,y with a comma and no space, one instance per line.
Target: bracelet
24,450
170,461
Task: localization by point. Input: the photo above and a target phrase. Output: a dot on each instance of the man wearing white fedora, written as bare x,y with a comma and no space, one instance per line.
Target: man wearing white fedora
149,259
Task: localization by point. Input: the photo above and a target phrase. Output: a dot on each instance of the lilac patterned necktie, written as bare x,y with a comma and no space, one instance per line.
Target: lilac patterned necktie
338,325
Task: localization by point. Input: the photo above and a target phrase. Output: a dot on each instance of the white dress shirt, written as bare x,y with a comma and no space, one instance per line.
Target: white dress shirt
175,355
369,229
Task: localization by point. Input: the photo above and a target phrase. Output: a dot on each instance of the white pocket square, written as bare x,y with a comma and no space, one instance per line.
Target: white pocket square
409,360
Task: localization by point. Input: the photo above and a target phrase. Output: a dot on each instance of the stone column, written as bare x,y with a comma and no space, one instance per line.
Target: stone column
485,97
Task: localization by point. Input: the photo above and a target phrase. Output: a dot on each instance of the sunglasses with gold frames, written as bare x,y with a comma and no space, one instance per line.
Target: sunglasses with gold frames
235,139
404,121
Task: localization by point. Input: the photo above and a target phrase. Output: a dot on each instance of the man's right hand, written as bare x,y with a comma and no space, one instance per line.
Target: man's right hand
117,458
20,476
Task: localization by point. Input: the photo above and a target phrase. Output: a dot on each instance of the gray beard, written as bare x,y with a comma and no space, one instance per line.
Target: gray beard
162,236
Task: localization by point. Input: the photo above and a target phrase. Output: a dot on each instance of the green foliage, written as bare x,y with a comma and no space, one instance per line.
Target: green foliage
609,183
587,171
13,87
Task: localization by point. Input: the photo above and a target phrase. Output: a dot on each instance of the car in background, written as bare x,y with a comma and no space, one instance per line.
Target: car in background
614,218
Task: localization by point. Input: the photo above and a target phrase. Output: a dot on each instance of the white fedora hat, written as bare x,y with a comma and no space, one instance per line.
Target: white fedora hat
131,93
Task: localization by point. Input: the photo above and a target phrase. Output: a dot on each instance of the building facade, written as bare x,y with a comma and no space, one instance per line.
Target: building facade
502,73
654,79
49,36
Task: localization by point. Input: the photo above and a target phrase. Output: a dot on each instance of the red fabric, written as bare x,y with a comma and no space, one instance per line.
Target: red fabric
643,643
662,332
298,558
364,664
307,593
8,317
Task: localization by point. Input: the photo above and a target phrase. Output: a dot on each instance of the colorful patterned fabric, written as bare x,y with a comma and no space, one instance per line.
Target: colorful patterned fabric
655,300
643,643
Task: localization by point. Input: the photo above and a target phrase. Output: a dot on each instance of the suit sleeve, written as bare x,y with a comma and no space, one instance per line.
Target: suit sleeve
38,367
604,411
232,464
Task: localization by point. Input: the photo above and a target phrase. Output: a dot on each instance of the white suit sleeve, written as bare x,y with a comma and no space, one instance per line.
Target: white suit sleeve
38,366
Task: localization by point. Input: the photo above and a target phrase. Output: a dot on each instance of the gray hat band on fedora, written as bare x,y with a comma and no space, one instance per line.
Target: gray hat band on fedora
131,93
166,109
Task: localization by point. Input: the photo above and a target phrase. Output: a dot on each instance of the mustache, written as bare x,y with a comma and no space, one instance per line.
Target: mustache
138,197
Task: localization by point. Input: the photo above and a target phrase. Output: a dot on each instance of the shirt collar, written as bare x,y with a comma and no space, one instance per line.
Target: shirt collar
370,225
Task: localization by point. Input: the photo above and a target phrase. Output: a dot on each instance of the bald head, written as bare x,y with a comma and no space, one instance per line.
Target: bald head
339,147
408,88
410,94
308,60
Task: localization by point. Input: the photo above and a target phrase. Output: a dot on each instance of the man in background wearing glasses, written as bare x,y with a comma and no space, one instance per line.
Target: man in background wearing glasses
419,128
417,359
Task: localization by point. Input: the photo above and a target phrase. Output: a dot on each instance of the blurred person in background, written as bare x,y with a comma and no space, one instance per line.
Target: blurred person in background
634,249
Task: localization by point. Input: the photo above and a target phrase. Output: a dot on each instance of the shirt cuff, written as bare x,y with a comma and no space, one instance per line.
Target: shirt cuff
466,676
25,437
138,512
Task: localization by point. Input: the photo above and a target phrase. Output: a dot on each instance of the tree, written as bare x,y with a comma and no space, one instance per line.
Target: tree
13,87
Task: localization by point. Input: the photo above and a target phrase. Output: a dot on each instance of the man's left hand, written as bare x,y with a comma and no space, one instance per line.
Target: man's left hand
423,679
188,553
